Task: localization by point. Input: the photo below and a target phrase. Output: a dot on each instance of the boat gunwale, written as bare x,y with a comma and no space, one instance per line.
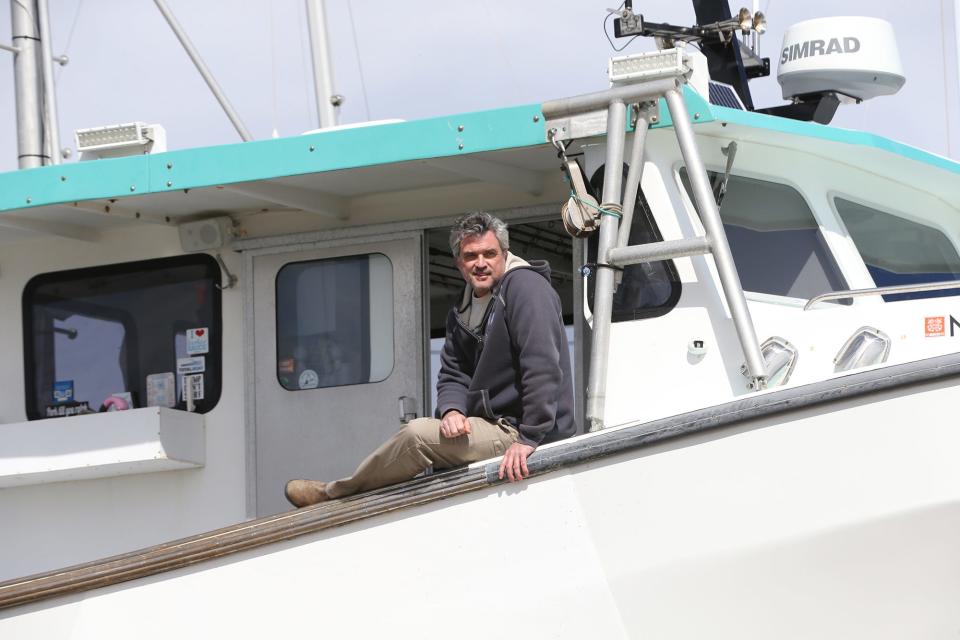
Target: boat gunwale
253,534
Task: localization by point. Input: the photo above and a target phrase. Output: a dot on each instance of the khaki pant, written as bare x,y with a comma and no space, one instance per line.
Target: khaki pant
419,445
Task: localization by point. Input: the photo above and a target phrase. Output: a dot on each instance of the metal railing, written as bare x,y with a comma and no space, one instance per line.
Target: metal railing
612,250
882,291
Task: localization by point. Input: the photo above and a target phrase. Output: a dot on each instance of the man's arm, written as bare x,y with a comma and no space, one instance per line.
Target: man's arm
452,385
536,331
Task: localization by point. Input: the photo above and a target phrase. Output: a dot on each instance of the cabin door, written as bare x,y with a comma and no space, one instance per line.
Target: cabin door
339,352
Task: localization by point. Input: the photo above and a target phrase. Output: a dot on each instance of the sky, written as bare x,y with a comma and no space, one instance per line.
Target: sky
418,59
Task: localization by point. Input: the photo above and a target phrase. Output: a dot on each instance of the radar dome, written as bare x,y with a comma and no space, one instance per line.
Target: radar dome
853,56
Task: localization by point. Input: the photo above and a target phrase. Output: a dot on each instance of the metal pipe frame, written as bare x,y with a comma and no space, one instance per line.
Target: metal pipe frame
27,84
603,291
643,92
723,257
7,47
51,123
654,251
204,71
634,176
943,285
322,67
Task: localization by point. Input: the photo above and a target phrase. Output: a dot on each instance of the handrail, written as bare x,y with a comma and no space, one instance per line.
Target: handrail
246,536
879,291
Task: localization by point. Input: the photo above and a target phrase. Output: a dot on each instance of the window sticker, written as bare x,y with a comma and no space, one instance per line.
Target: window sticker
161,390
286,365
194,364
196,381
68,409
309,379
62,391
198,341
934,326
118,402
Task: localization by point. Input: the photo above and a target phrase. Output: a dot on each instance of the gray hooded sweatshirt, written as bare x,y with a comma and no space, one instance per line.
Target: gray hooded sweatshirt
515,365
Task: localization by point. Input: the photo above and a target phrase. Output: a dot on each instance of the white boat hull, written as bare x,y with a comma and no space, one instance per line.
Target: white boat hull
839,520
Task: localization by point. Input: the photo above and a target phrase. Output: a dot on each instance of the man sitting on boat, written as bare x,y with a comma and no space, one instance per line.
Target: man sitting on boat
504,386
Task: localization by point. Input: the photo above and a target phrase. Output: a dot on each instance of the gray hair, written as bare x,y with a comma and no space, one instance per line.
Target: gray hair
477,224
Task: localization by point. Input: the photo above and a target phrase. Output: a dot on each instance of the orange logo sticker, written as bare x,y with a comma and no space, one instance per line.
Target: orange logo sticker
934,326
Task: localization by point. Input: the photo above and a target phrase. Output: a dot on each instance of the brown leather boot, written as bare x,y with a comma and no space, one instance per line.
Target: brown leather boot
303,493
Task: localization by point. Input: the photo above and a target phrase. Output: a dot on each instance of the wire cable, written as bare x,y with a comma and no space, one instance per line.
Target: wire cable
73,27
356,49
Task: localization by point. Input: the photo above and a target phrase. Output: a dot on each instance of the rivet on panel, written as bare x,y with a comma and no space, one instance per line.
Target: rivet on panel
169,183
536,118
133,187
460,128
460,146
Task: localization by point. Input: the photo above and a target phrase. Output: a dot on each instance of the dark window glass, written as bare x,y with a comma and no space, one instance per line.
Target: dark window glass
93,336
335,322
775,240
647,290
899,251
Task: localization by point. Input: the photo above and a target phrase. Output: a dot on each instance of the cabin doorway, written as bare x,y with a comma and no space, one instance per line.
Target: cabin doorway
535,239
339,357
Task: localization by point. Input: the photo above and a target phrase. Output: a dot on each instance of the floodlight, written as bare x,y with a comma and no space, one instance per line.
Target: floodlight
648,66
745,20
759,22
120,139
112,137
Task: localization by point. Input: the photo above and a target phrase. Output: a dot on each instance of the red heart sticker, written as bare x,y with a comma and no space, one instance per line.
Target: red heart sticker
199,332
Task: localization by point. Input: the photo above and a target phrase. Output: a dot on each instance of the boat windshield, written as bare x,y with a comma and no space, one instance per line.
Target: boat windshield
899,251
776,242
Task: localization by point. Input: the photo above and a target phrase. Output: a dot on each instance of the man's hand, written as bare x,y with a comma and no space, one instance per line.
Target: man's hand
515,462
454,424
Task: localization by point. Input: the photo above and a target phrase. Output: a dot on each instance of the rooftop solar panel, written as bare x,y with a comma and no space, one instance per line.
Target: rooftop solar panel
725,96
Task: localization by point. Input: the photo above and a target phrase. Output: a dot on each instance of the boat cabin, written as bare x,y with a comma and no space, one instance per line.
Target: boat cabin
187,330
299,287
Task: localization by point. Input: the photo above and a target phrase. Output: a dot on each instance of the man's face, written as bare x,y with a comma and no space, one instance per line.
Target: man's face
481,262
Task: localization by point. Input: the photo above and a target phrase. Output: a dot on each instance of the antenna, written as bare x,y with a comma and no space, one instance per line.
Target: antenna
716,36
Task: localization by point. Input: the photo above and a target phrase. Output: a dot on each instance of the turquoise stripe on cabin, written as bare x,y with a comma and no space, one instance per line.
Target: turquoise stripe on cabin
362,146
833,134
74,182
265,159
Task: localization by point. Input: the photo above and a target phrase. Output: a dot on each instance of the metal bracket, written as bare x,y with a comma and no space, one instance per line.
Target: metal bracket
582,125
231,279
649,111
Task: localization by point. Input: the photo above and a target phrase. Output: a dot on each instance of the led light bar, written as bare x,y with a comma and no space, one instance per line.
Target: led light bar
114,136
648,66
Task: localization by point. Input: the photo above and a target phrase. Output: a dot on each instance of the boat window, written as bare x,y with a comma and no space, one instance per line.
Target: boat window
335,322
123,336
777,245
899,251
646,290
